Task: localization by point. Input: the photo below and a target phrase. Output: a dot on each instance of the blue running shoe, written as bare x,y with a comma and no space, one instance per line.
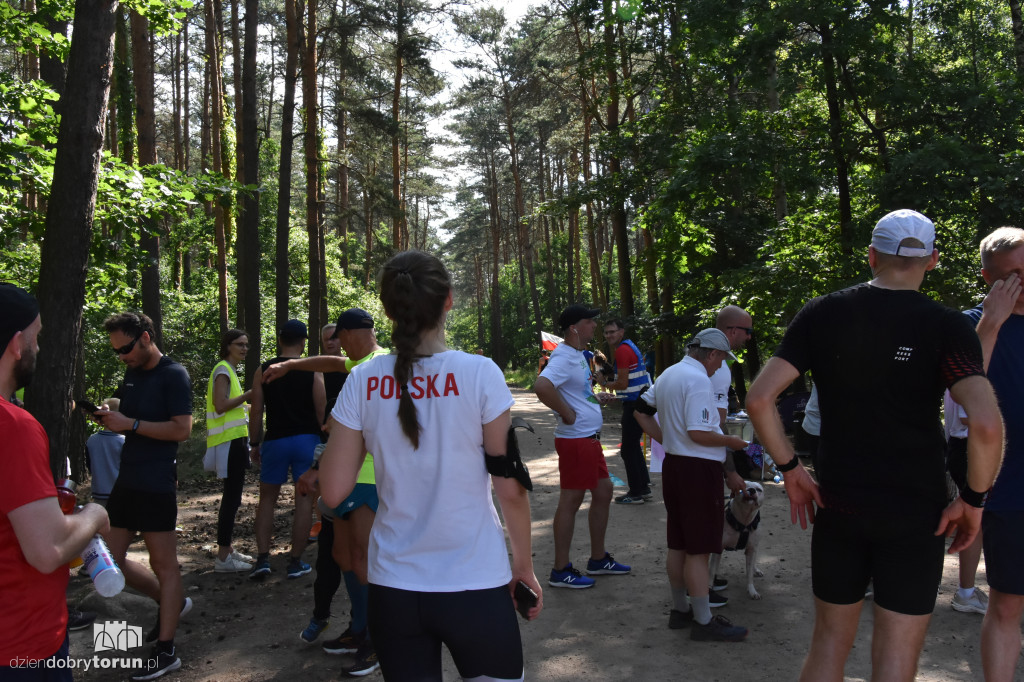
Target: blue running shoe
606,566
297,567
315,628
261,569
569,577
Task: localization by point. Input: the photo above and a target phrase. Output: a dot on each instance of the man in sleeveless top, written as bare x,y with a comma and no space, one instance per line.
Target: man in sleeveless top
630,379
295,412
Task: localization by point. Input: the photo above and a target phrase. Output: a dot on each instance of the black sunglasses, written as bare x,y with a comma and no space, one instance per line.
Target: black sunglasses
748,330
127,348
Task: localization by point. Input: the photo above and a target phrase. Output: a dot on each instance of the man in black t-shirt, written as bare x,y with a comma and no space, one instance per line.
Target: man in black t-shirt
155,414
881,354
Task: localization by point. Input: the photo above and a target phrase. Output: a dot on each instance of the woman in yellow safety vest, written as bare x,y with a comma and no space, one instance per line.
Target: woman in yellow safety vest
227,444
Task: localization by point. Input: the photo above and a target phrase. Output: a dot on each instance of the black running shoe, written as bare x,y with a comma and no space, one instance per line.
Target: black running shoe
79,620
346,643
159,663
366,661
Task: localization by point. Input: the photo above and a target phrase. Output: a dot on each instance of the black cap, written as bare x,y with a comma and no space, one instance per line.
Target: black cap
353,318
294,329
575,313
18,309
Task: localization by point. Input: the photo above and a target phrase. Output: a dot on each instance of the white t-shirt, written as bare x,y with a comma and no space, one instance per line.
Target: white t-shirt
953,412
721,380
684,400
569,372
436,528
812,414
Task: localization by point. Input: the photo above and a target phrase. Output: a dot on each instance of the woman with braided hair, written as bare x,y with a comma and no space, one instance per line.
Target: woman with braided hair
438,566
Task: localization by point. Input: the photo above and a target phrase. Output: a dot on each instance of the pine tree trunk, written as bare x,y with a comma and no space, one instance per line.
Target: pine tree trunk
69,221
284,190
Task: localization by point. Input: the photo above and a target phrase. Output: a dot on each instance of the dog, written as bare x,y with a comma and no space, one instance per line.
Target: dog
742,518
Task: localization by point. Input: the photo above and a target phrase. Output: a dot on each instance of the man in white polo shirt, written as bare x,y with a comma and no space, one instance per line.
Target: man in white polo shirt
692,479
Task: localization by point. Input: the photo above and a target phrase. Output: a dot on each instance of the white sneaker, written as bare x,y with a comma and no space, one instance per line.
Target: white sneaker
241,557
231,565
976,603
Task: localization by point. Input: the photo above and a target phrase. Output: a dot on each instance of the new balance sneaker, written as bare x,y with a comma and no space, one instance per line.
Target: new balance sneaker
606,566
315,628
159,663
346,643
297,567
154,634
569,577
231,565
719,584
976,603
677,620
630,499
79,620
719,629
366,661
261,569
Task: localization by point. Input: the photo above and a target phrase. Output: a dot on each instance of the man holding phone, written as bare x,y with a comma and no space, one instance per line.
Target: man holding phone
155,415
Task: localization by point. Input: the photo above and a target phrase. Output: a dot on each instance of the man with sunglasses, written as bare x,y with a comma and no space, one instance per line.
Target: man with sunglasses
155,415
737,325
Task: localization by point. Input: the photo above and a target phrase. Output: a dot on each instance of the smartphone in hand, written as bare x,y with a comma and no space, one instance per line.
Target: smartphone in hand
86,406
526,599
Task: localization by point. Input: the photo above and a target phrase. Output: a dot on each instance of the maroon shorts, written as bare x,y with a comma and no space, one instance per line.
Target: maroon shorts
580,463
694,504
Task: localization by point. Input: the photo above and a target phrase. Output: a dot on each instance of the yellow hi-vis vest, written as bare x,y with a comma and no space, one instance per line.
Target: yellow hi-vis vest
221,428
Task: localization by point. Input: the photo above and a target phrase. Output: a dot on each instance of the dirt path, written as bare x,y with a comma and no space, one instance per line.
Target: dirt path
241,630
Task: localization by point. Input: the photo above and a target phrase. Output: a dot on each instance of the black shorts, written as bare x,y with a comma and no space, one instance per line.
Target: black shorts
899,552
693,503
1004,550
479,628
142,511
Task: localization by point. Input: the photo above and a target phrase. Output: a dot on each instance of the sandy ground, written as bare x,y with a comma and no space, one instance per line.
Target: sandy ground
240,630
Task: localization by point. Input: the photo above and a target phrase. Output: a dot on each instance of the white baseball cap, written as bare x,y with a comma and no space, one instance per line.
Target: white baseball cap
894,227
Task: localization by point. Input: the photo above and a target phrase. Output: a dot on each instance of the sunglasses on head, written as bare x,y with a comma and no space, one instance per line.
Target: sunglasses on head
127,348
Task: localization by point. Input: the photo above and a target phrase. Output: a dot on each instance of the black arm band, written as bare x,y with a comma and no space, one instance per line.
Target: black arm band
504,467
973,497
510,465
788,466
641,405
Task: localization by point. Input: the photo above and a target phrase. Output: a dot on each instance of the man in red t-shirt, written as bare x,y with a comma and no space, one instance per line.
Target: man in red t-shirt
36,539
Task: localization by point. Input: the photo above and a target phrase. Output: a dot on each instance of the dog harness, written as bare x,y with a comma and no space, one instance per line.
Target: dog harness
744,531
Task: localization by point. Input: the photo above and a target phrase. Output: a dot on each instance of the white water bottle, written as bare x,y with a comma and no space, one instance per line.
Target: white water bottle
99,563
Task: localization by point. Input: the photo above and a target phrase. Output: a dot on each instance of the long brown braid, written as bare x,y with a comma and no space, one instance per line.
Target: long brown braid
413,288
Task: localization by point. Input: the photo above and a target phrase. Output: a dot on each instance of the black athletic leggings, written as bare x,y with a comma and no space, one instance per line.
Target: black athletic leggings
231,500
328,573
479,628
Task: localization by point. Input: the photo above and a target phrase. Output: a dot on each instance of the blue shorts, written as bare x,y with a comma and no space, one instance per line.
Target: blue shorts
363,493
280,454
1004,550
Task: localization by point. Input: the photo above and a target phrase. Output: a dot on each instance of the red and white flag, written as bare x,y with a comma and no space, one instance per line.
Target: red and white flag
549,341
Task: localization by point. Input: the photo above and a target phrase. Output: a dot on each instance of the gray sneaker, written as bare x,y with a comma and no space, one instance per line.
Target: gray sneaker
976,603
719,629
